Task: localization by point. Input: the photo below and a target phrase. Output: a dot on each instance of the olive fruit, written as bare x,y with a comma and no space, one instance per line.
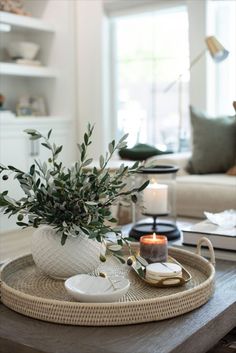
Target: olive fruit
20,217
129,261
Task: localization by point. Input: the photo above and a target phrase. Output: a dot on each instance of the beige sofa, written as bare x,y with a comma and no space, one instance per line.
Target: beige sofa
200,192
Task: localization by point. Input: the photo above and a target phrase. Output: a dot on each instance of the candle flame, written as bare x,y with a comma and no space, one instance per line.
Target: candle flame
154,236
153,181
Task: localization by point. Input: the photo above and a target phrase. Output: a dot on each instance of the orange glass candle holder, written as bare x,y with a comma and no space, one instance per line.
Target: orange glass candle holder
153,248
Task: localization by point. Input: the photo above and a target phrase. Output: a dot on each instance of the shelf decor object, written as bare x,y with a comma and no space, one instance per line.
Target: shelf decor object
26,290
14,6
157,201
22,50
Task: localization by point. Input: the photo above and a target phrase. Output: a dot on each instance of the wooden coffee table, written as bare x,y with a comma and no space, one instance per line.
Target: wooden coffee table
194,332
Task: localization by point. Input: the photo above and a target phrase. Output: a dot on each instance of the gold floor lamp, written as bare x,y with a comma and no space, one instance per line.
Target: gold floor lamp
218,54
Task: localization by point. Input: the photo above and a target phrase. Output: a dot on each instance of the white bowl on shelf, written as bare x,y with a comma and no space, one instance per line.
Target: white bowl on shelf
91,289
24,50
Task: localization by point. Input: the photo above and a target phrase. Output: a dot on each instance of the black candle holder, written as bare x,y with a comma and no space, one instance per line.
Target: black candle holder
164,175
169,229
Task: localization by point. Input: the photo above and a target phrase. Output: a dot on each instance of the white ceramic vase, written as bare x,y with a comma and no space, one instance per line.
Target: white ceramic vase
78,255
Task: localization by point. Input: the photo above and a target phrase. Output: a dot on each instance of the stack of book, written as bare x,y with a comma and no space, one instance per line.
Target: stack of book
222,239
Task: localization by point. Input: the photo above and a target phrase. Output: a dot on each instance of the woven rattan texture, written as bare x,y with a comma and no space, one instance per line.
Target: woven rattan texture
26,290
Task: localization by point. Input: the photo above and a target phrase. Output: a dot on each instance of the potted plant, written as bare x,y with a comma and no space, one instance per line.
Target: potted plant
70,206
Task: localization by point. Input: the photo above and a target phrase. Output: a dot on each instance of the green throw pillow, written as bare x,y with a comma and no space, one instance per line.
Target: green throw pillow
140,152
213,143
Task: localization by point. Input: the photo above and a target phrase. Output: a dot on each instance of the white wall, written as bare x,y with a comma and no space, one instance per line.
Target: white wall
197,34
90,45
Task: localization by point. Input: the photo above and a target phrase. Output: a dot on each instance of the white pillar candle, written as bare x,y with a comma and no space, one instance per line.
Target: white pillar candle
155,198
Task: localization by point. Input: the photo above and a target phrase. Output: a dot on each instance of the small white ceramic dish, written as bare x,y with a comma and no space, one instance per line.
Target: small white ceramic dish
91,289
25,50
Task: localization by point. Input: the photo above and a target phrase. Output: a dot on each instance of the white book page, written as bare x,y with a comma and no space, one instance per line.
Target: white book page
208,227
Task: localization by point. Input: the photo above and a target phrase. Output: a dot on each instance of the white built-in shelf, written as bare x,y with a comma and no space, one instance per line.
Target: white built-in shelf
12,125
26,70
25,22
7,117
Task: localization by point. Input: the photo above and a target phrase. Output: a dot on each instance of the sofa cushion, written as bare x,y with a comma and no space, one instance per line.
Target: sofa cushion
213,143
199,193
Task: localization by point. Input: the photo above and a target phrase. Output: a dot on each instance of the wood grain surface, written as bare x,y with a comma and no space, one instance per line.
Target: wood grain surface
195,332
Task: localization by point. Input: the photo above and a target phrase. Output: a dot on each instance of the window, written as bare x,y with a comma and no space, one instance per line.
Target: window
150,50
222,77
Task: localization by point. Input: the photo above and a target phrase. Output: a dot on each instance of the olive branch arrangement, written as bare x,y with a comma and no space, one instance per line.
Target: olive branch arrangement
72,200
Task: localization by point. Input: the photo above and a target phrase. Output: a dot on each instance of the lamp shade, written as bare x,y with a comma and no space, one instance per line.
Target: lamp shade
216,49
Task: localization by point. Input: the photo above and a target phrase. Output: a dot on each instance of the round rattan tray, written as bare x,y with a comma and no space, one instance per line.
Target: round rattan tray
29,292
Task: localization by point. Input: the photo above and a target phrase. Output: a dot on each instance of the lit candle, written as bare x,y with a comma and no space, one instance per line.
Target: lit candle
155,199
153,248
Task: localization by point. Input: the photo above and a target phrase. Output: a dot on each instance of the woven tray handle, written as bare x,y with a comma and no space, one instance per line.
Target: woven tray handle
207,242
